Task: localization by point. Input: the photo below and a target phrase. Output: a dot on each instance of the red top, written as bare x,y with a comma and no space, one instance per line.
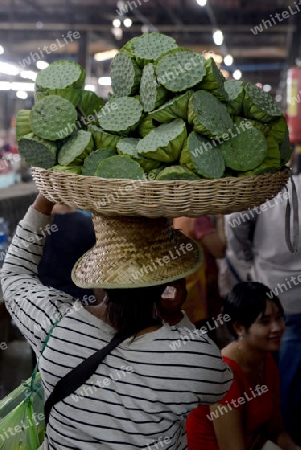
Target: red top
257,409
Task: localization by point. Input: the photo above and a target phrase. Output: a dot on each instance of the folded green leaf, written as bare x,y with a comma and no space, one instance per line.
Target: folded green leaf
176,173
23,123
77,170
176,108
259,105
146,125
214,81
165,142
103,139
90,104
236,93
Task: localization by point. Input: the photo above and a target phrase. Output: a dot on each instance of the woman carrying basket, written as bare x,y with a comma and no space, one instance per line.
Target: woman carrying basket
139,396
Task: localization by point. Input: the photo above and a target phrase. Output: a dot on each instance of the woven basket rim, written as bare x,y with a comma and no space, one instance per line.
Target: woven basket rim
159,198
165,182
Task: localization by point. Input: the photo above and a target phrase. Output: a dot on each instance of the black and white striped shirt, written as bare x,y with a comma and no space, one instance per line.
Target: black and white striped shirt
142,392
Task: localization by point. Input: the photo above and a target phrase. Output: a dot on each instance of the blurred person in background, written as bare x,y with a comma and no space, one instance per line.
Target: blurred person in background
203,301
249,414
258,236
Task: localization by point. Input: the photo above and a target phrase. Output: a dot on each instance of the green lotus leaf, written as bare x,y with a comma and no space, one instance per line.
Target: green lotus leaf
38,152
120,115
73,95
285,149
176,173
149,47
180,69
271,162
208,116
120,167
78,146
128,146
60,75
103,139
165,142
125,75
246,150
93,159
77,170
214,81
53,118
23,123
151,94
259,105
279,129
173,109
90,104
236,93
146,125
201,157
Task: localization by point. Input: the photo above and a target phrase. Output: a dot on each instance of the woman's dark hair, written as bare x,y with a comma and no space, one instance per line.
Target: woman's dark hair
132,310
246,301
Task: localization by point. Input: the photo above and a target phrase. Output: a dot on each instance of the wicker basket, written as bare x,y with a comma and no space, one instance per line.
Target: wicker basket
113,197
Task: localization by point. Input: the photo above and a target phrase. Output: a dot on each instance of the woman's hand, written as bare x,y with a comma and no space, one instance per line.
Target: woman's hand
42,205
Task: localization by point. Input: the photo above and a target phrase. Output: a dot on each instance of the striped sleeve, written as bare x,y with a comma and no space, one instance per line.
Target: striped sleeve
33,306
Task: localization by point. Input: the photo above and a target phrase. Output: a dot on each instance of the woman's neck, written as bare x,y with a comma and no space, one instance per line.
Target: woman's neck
248,358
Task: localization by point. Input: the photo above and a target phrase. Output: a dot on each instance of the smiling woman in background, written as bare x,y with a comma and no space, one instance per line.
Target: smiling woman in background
249,414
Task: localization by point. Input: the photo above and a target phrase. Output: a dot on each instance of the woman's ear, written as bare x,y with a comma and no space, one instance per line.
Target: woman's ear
239,329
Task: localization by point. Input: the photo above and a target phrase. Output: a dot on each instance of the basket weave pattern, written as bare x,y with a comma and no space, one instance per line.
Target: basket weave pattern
136,250
170,199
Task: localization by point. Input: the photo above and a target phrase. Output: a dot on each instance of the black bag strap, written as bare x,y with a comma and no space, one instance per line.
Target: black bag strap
79,375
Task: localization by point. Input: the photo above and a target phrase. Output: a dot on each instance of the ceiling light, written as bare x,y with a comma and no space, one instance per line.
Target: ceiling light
116,23
30,74
90,87
127,22
218,37
237,74
22,94
42,64
104,56
104,81
19,86
266,87
1,50
228,60
201,2
5,86
8,69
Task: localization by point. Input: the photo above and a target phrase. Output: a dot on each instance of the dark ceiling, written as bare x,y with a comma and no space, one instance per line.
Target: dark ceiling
26,25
